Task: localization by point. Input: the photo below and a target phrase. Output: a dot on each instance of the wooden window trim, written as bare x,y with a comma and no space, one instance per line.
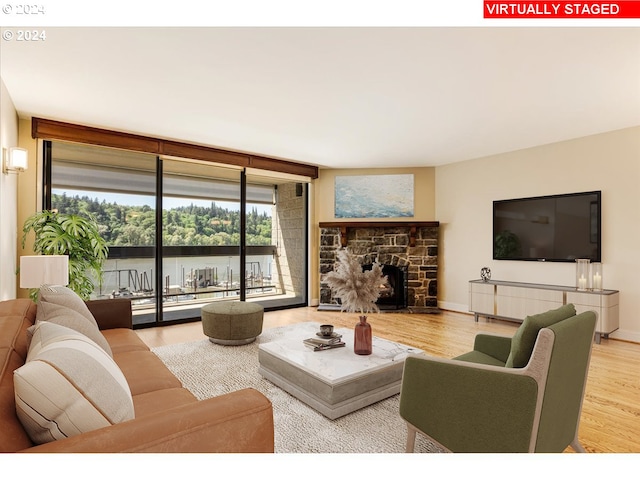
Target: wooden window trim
54,130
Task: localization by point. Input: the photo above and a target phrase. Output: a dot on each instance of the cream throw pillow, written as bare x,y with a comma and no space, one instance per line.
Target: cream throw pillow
63,306
68,386
65,297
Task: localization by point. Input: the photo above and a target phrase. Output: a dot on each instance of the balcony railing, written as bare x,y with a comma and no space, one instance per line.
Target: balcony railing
191,275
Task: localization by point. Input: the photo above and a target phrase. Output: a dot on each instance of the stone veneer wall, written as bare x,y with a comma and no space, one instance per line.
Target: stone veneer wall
390,246
288,233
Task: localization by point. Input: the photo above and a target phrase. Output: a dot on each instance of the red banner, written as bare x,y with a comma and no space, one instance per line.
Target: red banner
517,9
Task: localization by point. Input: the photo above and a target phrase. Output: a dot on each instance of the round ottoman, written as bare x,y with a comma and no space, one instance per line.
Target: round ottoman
232,323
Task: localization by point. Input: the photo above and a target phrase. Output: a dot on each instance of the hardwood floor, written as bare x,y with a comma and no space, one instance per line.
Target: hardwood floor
611,412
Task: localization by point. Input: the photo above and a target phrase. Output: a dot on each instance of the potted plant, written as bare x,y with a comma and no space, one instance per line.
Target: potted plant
358,291
72,235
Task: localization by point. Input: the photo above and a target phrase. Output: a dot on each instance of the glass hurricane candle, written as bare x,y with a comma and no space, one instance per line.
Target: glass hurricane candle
582,273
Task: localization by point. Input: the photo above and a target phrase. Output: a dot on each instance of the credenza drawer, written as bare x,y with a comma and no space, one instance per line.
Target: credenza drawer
530,293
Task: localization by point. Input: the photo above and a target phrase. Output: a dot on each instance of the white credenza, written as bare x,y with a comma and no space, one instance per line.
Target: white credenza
515,300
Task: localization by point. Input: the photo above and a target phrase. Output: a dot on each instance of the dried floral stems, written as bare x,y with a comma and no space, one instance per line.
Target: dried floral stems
358,290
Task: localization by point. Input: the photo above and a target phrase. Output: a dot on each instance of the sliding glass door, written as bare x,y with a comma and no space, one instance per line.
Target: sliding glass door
118,189
284,266
200,237
183,233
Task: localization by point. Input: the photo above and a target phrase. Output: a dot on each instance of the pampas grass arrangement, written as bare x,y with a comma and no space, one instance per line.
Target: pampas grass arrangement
357,290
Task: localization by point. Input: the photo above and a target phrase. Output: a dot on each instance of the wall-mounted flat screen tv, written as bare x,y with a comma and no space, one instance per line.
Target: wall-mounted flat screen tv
554,228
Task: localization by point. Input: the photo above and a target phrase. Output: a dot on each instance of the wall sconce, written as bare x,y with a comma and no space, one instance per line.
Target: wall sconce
38,270
14,160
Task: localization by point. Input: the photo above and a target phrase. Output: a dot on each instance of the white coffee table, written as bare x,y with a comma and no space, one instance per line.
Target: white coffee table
334,382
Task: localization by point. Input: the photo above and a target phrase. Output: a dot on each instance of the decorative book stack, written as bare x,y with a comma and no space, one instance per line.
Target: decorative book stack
322,342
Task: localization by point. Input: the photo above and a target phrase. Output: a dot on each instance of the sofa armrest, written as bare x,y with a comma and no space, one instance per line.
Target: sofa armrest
111,312
237,422
494,345
448,399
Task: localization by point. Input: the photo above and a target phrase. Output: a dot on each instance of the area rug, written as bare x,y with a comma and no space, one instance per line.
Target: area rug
209,370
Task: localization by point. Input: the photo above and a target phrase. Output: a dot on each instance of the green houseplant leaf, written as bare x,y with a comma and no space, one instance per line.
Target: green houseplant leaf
73,235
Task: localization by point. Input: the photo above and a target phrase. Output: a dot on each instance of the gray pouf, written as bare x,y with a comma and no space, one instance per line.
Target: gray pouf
232,323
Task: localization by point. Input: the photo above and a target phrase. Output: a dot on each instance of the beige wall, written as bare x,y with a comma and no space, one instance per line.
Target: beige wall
8,198
323,207
29,188
609,162
424,192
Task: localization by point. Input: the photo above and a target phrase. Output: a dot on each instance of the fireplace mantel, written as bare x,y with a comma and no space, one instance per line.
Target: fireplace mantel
412,226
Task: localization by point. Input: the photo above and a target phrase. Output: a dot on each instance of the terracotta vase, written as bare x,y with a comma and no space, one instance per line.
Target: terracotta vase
362,337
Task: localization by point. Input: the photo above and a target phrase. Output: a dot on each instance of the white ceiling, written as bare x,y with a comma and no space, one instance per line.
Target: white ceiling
335,97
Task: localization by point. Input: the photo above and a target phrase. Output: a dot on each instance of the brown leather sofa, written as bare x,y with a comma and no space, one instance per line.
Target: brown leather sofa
168,418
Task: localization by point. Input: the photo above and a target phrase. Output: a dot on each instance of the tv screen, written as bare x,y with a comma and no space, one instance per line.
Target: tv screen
555,228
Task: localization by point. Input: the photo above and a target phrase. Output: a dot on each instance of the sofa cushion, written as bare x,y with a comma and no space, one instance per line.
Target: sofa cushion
69,386
145,372
152,403
525,337
15,317
63,306
123,340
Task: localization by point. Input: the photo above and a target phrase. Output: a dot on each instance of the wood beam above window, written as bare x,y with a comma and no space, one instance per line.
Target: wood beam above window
55,130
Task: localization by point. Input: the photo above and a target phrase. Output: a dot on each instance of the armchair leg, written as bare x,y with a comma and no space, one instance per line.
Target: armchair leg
411,439
577,447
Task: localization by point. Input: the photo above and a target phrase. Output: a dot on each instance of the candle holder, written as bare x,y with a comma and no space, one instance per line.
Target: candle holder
596,276
582,274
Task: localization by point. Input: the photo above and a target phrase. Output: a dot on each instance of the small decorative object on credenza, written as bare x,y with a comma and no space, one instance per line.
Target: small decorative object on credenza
485,274
582,274
358,291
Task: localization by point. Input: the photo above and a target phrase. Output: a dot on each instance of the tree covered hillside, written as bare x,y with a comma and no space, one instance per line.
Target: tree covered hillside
123,225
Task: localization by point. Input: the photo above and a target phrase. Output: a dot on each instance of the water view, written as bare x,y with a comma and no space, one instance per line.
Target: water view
128,223
185,279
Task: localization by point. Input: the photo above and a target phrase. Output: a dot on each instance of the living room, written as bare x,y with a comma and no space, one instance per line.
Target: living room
456,194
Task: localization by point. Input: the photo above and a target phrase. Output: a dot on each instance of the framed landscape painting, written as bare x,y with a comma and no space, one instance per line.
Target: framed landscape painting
374,196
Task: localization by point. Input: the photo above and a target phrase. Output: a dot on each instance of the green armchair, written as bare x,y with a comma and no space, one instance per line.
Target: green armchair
519,394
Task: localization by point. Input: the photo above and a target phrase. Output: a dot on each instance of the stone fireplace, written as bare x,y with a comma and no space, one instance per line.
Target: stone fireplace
410,247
